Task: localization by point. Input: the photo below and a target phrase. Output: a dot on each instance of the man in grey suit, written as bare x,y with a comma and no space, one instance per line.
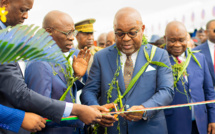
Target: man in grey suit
14,91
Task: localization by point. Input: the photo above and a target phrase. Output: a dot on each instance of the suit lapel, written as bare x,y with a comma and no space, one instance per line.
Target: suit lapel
57,69
112,62
140,62
206,52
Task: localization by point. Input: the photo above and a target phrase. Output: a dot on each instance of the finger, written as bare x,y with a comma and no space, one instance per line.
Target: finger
43,120
88,55
42,124
34,130
108,106
109,117
102,109
85,49
135,117
105,125
38,128
209,129
74,59
213,130
81,54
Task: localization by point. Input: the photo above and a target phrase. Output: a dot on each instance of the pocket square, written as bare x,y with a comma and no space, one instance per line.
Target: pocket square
150,68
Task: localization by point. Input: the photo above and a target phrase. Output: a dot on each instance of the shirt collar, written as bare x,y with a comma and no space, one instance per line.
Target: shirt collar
210,43
2,25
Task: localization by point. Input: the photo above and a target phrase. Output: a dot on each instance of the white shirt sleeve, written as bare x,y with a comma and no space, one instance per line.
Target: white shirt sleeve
68,109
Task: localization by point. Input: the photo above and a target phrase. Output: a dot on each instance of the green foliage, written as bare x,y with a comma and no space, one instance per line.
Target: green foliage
179,71
23,42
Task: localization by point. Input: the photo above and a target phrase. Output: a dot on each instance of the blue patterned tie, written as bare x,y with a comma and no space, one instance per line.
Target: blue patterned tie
128,71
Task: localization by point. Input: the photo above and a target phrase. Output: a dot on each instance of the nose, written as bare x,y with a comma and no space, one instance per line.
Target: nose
177,43
71,37
126,37
25,15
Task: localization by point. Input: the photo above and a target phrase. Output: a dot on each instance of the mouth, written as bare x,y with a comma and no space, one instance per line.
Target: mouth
69,46
127,47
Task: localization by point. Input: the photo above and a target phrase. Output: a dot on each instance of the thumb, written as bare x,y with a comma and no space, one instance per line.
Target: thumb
209,129
111,105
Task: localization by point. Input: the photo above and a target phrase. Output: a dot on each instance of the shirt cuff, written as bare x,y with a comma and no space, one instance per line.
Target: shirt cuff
68,109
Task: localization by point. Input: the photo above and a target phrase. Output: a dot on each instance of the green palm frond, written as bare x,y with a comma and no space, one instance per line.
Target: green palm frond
24,42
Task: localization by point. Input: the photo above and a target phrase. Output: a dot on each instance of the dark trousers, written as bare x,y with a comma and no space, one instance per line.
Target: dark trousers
194,128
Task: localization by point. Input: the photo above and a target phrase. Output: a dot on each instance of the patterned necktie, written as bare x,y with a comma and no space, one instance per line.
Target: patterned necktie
128,71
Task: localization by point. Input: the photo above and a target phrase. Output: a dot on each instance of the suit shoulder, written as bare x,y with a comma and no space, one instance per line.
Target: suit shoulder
38,64
200,46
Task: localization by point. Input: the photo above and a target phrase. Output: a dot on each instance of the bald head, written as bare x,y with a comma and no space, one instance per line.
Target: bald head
176,27
126,14
61,27
110,38
55,19
101,41
176,38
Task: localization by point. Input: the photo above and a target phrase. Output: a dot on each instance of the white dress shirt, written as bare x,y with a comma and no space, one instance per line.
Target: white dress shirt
211,46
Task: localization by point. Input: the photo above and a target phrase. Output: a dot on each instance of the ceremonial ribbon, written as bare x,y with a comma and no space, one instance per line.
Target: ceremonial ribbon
146,109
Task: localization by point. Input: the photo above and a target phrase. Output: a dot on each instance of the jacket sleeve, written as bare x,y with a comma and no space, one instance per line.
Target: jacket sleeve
91,91
38,77
209,92
11,119
16,92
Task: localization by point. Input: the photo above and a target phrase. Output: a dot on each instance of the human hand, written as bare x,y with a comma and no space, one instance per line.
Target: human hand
134,116
211,128
107,120
86,114
80,62
33,122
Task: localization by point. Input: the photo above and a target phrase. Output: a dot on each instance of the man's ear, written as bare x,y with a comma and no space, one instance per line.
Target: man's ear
49,30
143,28
5,3
164,39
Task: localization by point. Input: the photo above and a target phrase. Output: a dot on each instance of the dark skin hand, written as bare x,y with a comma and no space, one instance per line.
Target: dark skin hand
134,116
107,120
33,122
211,128
80,62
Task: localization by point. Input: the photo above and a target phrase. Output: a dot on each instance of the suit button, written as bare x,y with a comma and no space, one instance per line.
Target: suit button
127,106
124,123
189,90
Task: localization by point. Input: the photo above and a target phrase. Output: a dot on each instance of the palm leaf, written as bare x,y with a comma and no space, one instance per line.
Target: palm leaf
23,42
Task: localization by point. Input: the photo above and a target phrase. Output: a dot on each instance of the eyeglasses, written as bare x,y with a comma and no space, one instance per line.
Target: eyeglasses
212,30
131,34
68,34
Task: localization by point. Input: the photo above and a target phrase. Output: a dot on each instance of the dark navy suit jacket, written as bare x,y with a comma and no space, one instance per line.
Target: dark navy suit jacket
205,50
40,78
10,118
199,88
153,88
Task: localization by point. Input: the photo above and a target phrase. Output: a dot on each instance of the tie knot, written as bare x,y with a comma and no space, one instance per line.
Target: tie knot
129,57
179,61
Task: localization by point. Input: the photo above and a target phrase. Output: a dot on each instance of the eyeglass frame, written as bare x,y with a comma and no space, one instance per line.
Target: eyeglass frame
124,33
74,33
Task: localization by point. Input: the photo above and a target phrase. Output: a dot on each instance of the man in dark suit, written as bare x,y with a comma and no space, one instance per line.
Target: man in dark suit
14,91
193,86
40,75
153,88
12,119
208,48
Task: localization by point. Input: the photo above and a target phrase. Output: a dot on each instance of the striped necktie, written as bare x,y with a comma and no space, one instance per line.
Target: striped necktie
128,71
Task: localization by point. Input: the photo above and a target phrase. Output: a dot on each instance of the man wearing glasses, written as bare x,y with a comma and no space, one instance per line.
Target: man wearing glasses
153,88
208,48
49,79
